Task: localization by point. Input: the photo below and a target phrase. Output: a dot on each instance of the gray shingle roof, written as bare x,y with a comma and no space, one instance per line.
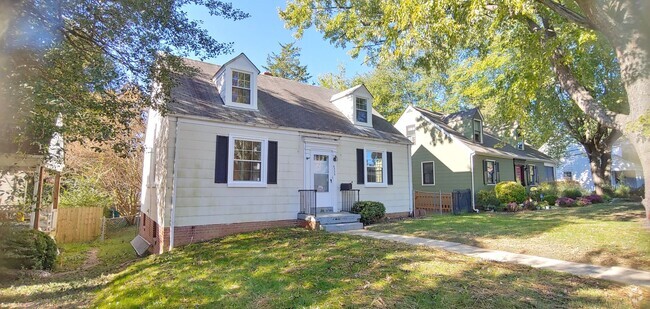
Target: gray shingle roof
280,102
491,145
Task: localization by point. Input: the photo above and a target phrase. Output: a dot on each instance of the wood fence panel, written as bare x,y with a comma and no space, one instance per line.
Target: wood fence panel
429,202
78,224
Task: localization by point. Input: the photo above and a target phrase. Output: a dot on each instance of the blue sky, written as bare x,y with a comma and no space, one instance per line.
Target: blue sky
259,35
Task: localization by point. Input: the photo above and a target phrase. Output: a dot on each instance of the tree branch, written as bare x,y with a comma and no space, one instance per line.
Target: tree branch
568,14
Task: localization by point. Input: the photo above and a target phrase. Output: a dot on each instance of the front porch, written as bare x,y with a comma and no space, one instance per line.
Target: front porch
325,217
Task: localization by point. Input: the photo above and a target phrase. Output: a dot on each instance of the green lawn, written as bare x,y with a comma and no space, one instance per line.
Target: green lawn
81,270
604,234
289,268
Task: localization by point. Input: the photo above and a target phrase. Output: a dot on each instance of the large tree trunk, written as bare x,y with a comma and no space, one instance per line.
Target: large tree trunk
600,164
642,146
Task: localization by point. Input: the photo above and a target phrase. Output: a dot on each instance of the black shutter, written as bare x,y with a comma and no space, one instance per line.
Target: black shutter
497,178
272,159
389,166
221,160
360,167
485,175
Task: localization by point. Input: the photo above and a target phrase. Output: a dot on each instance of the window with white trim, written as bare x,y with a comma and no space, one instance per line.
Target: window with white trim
247,164
478,131
361,110
241,87
568,175
491,172
375,169
410,133
428,173
532,174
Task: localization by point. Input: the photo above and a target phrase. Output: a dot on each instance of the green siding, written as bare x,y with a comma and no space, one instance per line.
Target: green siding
506,170
445,179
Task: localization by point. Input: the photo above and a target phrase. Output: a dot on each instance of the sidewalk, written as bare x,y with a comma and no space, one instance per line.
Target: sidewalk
618,274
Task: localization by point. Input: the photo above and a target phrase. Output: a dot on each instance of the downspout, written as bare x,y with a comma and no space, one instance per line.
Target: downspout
410,181
471,165
173,206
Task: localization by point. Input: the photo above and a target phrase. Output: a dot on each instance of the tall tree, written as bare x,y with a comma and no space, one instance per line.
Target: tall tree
433,33
76,59
287,63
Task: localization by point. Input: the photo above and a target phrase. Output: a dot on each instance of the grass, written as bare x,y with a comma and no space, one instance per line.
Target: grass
81,269
603,234
285,268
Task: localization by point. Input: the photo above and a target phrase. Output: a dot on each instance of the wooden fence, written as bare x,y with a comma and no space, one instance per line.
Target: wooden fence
429,203
78,224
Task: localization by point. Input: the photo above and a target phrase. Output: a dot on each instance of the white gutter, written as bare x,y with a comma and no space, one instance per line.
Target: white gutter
471,165
410,181
173,206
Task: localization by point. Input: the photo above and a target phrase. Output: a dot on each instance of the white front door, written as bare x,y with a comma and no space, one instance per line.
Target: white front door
322,178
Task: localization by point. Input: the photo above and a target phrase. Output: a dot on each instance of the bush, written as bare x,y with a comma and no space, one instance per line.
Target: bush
550,199
370,212
595,199
487,199
510,191
622,191
547,188
21,247
583,201
512,207
565,202
572,193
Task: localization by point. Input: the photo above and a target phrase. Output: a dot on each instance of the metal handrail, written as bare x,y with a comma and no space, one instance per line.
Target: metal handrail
308,202
348,198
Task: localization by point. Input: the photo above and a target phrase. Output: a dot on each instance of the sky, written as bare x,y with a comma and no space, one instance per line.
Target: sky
259,35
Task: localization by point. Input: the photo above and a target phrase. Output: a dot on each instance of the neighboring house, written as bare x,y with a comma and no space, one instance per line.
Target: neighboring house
455,152
626,166
235,147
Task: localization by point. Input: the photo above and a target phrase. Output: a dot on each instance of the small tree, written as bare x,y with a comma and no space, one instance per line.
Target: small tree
287,64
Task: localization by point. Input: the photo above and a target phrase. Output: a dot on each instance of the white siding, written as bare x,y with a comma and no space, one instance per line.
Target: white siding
200,201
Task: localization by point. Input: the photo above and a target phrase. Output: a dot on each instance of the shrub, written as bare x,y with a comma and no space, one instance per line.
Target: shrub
547,188
510,191
487,199
565,202
622,191
595,199
370,212
512,207
529,205
550,199
583,201
21,247
572,193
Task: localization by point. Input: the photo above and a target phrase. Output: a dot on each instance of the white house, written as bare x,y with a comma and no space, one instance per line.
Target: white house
626,166
236,146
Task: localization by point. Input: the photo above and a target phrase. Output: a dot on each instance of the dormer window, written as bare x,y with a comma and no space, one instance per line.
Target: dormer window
478,131
362,110
241,87
520,145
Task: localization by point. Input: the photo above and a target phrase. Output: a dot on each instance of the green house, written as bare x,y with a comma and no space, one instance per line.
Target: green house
454,152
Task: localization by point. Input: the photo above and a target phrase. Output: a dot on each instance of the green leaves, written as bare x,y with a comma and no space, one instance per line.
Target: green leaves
287,64
95,62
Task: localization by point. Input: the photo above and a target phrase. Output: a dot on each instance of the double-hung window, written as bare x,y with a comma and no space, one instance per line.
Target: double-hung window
410,133
361,110
248,162
428,173
375,167
491,172
478,131
241,87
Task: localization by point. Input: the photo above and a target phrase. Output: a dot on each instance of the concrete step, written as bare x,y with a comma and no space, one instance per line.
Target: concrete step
320,210
340,227
334,218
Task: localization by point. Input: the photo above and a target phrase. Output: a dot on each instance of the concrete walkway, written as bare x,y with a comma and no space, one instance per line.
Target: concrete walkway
618,274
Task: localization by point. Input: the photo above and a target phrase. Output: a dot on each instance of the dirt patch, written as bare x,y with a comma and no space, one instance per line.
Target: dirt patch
92,259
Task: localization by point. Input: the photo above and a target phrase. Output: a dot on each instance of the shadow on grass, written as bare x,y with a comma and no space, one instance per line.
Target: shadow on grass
297,268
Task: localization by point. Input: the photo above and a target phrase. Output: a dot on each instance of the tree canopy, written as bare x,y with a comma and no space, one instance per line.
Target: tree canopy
287,63
78,59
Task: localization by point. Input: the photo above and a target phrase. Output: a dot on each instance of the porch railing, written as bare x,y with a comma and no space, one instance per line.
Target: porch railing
308,202
348,198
